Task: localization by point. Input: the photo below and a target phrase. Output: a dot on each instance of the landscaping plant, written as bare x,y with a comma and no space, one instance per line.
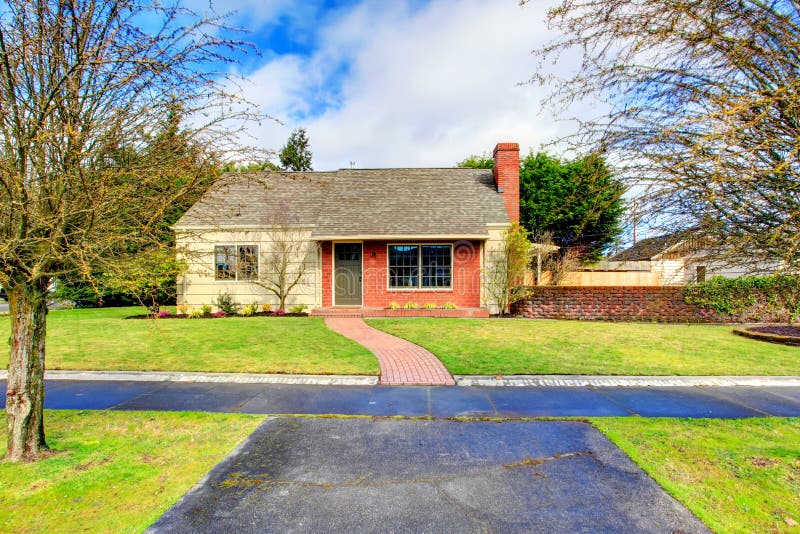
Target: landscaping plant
750,298
505,275
226,303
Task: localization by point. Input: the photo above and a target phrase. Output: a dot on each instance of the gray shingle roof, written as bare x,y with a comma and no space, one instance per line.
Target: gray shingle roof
647,248
355,202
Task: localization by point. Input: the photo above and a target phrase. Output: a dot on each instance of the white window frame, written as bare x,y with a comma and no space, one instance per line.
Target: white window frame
235,279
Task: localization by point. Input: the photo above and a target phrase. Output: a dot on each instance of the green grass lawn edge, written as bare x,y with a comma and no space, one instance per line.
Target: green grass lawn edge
114,471
104,339
524,346
736,475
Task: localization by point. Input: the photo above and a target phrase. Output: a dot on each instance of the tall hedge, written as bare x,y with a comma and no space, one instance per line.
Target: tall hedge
749,299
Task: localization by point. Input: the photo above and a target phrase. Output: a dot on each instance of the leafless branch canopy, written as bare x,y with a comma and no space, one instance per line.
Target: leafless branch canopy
704,120
83,85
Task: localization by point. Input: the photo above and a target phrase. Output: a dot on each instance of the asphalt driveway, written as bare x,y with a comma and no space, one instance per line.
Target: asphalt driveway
383,475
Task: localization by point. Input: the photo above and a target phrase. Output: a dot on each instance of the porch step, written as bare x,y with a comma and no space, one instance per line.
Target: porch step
336,312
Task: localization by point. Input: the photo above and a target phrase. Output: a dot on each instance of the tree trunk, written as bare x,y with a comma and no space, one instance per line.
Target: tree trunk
25,391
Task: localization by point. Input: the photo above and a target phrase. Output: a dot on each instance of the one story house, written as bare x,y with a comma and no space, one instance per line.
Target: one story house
364,238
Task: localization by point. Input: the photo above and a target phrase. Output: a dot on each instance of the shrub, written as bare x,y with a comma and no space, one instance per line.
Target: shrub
394,306
411,305
196,313
300,308
429,306
448,306
205,309
164,313
226,303
250,309
750,298
280,312
266,307
219,314
182,309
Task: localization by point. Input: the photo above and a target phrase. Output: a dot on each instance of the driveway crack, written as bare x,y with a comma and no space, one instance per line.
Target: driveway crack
263,481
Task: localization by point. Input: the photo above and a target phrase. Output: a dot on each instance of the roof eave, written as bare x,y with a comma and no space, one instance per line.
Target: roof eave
399,237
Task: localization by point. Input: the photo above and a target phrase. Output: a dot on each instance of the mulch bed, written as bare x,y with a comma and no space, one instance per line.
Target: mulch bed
211,316
781,330
773,333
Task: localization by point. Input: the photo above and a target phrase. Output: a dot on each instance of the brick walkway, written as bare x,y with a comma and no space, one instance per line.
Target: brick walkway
402,362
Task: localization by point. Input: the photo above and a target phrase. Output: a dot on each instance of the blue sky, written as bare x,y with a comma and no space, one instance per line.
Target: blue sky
396,82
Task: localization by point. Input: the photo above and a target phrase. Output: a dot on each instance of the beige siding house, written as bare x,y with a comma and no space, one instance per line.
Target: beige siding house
352,238
675,261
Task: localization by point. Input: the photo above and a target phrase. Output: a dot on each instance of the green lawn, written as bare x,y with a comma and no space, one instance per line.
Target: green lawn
519,346
115,471
735,475
103,339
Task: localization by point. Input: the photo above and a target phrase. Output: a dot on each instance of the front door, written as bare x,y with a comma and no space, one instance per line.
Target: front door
347,274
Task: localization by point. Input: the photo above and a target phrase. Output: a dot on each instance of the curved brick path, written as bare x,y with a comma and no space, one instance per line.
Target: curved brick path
402,362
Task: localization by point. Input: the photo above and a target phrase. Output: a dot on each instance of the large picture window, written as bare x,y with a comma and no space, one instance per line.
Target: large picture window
236,262
420,266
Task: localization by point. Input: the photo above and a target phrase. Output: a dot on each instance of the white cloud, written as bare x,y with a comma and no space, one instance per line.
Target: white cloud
425,87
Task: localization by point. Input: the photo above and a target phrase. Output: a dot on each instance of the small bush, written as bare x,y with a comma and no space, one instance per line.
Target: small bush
750,298
250,309
164,313
448,306
394,306
429,306
205,309
280,313
182,309
266,307
300,308
226,303
410,305
219,314
197,313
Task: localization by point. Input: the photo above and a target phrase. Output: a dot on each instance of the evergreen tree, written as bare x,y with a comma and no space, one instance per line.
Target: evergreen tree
577,202
295,155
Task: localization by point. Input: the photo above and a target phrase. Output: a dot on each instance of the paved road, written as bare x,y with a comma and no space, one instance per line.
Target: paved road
722,402
3,306
356,475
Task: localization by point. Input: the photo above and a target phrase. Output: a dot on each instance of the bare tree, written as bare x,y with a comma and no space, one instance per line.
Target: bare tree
704,111
285,260
82,83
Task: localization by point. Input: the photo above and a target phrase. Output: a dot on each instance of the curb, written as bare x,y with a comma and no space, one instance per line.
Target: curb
461,380
625,381
221,378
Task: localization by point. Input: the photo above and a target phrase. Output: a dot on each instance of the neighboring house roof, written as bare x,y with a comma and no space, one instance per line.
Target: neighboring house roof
355,203
647,249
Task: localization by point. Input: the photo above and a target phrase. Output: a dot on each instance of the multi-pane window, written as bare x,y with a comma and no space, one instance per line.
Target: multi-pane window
236,262
420,266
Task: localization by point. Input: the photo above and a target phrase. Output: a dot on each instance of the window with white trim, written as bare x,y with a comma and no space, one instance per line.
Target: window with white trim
420,266
236,262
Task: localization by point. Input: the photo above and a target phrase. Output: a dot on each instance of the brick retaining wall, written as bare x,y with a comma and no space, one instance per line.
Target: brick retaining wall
661,304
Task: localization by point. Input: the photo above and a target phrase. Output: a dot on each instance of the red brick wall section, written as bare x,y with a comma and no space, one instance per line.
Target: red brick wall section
655,304
466,278
327,274
506,176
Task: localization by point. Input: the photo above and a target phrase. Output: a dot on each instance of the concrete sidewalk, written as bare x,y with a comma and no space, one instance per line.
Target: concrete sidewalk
431,401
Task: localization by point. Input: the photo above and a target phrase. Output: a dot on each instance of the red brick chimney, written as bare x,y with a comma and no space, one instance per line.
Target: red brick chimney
506,176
